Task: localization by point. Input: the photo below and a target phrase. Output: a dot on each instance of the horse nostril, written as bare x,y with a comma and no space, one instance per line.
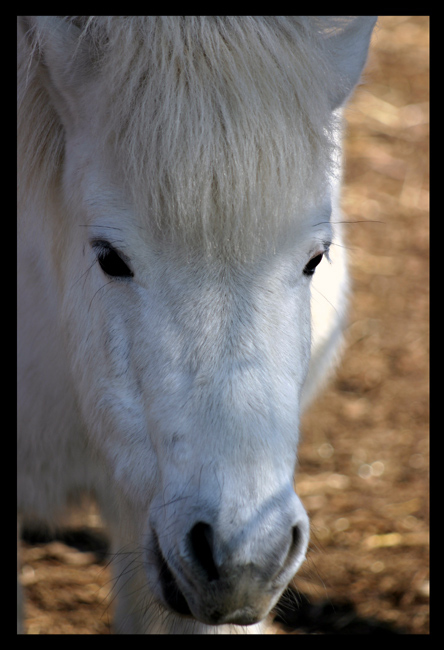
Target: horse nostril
296,544
201,539
296,537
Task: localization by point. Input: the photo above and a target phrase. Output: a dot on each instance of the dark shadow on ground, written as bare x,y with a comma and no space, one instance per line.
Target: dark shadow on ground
295,611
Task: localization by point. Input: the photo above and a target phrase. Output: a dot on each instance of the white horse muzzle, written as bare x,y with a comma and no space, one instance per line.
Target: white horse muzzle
223,569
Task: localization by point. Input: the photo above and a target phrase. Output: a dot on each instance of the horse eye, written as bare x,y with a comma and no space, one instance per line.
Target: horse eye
110,261
312,264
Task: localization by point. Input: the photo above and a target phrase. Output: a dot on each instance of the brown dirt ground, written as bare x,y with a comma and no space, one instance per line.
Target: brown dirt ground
363,473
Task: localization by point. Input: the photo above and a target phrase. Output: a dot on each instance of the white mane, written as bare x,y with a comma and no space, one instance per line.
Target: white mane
203,160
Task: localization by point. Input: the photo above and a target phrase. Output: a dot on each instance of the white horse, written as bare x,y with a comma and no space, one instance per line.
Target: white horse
178,187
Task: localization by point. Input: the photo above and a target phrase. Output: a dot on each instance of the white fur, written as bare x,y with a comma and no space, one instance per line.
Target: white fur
206,151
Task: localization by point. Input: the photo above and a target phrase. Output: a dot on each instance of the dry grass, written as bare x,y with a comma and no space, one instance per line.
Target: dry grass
364,460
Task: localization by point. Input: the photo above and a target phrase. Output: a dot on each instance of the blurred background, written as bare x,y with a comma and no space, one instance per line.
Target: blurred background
363,473
363,462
